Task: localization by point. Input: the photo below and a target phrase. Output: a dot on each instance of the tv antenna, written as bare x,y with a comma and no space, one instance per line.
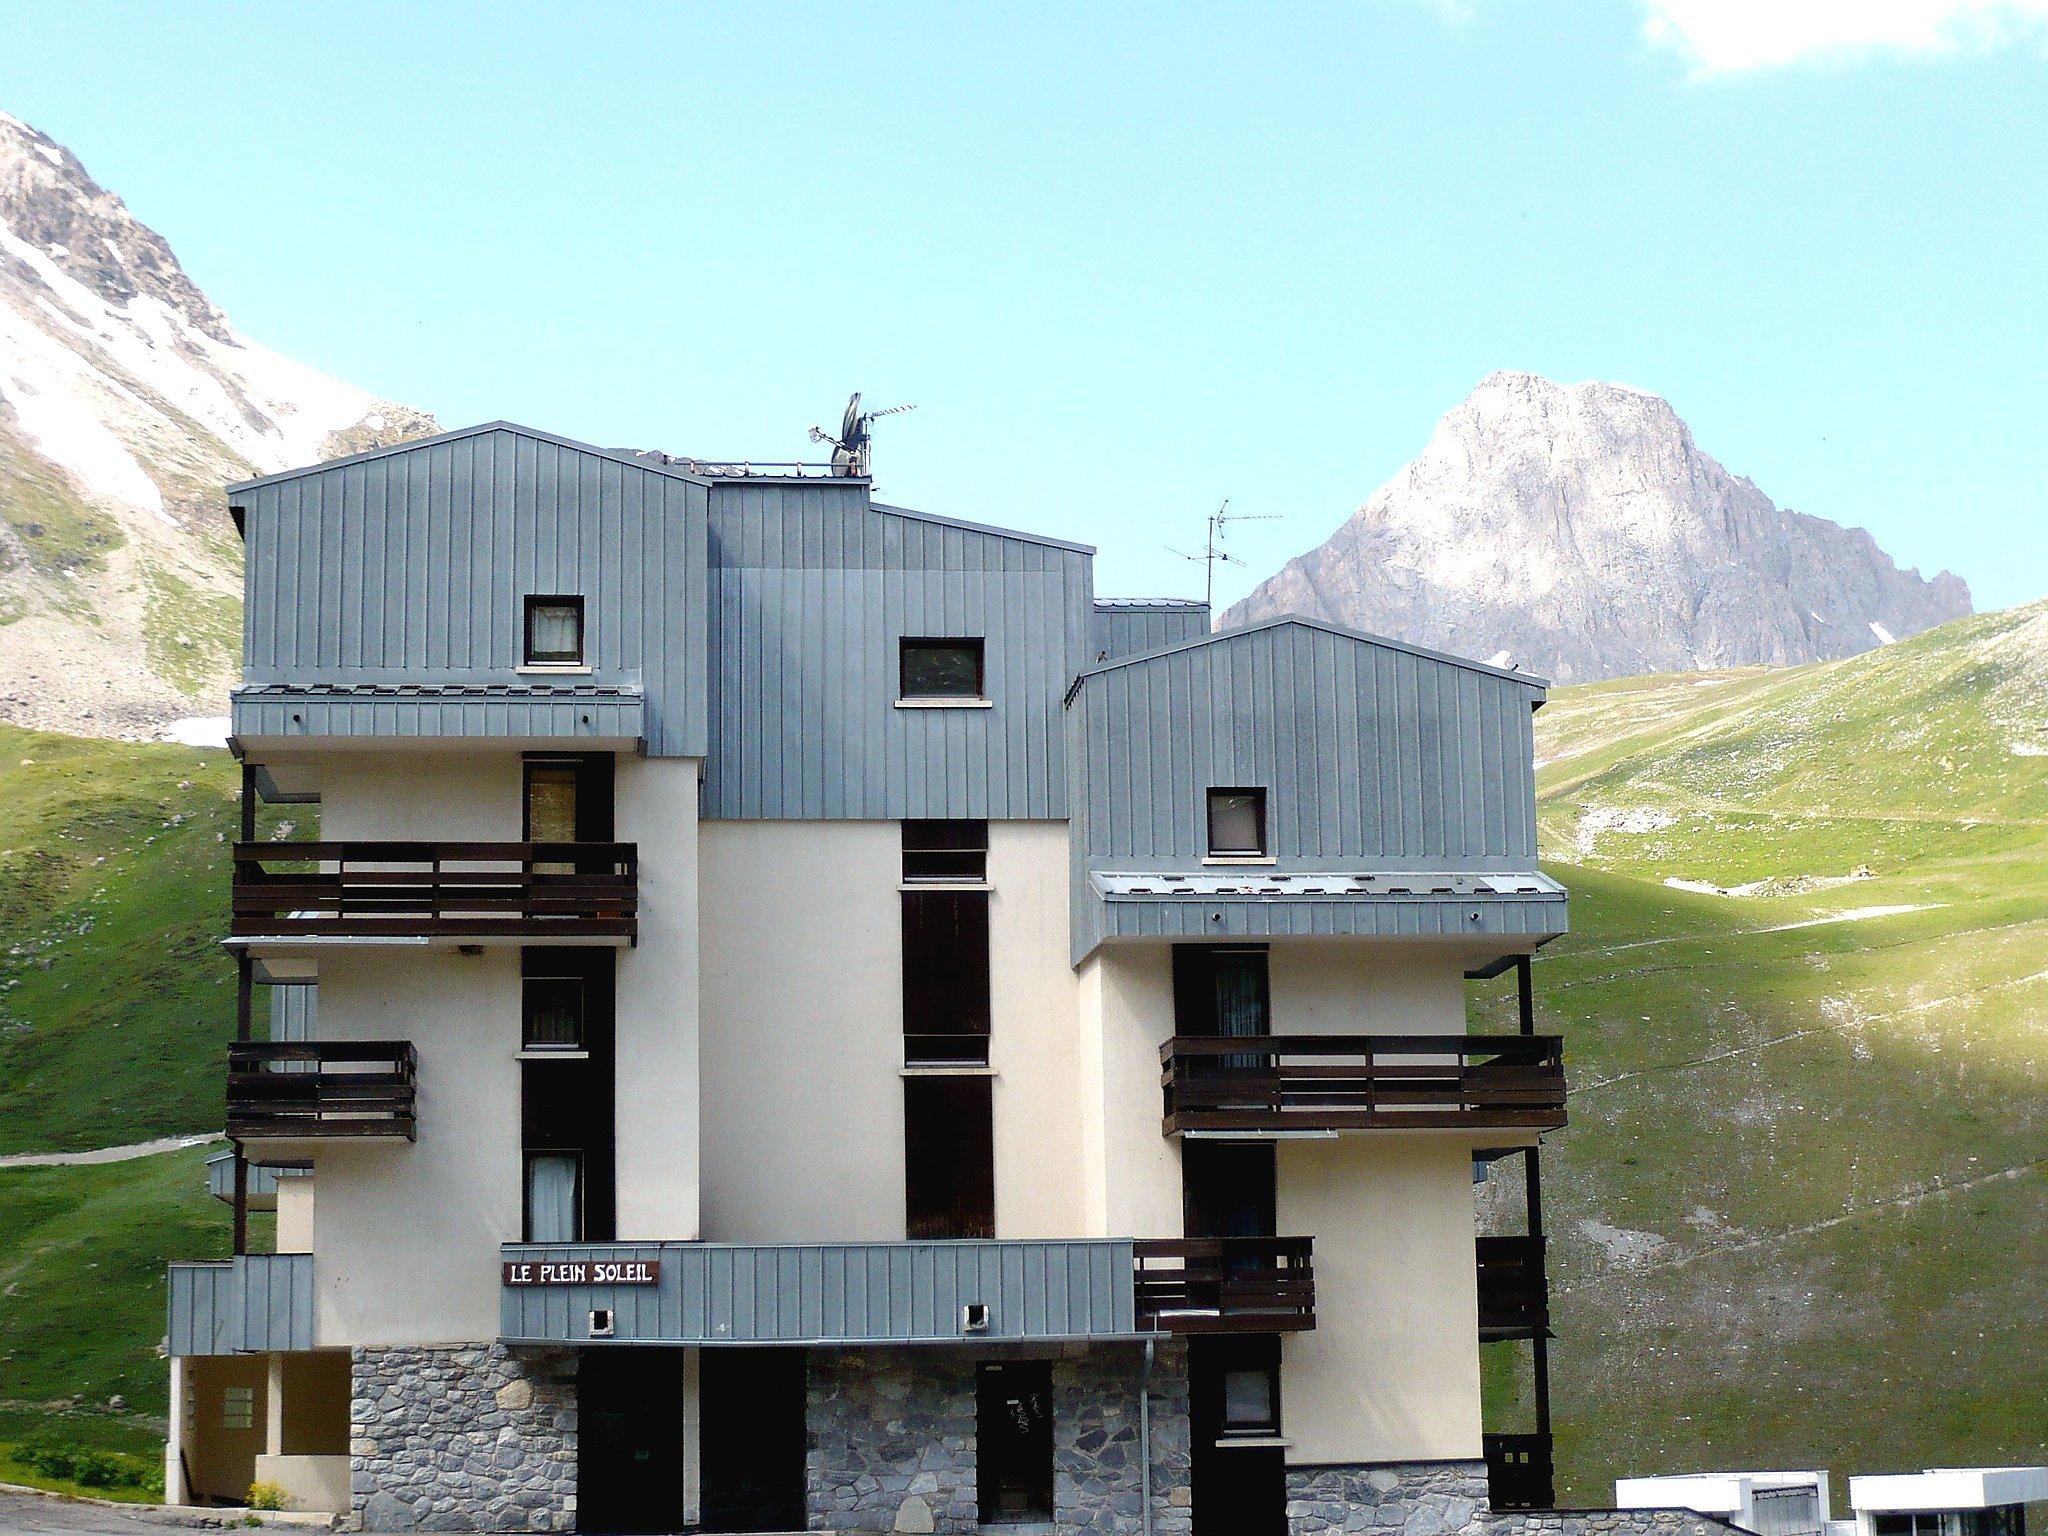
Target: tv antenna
853,450
1213,553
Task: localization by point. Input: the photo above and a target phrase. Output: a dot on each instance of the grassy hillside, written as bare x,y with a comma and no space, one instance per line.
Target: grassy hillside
114,990
1801,1213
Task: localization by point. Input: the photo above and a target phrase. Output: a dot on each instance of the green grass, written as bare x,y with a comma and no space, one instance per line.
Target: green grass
193,636
83,1252
141,1477
59,534
1801,1211
115,994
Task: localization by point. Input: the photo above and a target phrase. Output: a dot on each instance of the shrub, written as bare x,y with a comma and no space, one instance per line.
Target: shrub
266,1496
85,1466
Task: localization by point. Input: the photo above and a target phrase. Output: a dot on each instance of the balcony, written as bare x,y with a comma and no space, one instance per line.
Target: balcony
1335,1083
1519,1473
1226,1285
408,891
316,1090
1514,1293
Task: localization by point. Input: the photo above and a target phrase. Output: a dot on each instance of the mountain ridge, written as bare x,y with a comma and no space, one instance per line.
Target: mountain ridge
127,399
1581,529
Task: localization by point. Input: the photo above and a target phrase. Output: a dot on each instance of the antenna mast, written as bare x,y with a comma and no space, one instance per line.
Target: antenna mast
853,450
1213,553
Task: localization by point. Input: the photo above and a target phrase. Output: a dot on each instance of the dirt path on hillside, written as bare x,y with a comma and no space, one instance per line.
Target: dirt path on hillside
124,1154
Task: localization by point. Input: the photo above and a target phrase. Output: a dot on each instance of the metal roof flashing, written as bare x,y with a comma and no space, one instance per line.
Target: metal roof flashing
616,455
1537,685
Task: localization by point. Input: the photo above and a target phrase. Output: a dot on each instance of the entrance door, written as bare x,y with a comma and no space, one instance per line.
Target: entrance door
753,1439
1013,1440
631,1434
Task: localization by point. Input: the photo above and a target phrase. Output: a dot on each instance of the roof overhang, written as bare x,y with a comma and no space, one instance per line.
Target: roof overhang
273,717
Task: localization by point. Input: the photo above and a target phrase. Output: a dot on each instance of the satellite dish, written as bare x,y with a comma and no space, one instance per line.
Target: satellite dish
853,448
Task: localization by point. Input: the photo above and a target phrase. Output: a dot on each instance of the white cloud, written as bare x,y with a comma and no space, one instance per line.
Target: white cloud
1726,36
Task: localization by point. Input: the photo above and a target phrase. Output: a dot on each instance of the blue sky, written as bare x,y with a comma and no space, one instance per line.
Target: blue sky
1129,260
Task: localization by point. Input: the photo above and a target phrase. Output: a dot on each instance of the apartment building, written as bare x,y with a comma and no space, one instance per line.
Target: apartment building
776,1011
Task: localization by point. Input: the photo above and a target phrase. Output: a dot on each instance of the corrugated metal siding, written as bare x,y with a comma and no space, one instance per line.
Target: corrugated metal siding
1129,629
412,566
550,717
1373,757
220,1178
899,1293
246,1305
1518,917
811,590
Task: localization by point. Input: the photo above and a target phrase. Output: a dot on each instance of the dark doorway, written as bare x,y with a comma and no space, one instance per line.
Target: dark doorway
1228,1189
1237,1472
1013,1440
631,1435
752,1412
949,1157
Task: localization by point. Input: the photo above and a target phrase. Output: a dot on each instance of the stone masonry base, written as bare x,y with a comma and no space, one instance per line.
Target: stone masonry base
892,1441
1448,1498
470,1438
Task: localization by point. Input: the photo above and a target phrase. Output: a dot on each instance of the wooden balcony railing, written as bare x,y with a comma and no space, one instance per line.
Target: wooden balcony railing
1226,1285
310,1090
1362,1082
1519,1472
538,891
1514,1293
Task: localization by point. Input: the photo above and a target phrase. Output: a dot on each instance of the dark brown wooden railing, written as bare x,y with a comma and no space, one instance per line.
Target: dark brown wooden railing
1226,1284
1519,1473
535,891
309,1090
1362,1082
1514,1294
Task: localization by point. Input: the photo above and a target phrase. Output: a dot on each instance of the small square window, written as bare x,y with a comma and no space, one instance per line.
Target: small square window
941,669
553,1009
554,631
1250,1404
1237,823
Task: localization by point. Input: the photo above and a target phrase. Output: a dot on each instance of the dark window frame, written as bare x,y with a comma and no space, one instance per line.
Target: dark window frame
948,1157
945,852
538,1047
538,600
975,644
1257,794
1259,1356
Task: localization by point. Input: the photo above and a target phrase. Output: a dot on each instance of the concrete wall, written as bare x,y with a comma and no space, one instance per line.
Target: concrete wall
295,1214
658,1062
1391,1370
220,1463
1034,1033
802,1031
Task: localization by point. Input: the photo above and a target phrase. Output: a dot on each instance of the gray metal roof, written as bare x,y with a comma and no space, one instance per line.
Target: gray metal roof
1376,885
537,710
889,510
656,462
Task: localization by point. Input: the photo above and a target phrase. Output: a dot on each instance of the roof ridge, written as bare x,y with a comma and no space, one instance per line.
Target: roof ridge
1302,620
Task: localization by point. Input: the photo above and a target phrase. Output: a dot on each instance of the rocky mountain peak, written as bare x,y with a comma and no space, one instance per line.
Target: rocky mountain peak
48,201
1580,529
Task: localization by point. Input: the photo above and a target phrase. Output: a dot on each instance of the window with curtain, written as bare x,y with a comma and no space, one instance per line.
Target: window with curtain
554,1203
554,631
941,669
1237,823
553,1008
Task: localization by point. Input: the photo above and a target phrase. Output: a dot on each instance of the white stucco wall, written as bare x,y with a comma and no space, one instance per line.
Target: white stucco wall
1034,1033
658,1085
1338,987
295,1214
802,1031
1133,1171
1391,1370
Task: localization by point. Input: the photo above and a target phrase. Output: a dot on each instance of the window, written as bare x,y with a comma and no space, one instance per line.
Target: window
941,669
945,850
1013,1433
551,801
945,977
1248,1401
948,1158
554,631
554,1197
1237,823
552,1013
238,1408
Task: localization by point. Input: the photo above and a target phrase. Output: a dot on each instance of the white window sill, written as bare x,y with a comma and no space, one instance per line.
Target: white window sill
944,1071
945,885
553,669
1240,858
546,1055
961,703
1253,1443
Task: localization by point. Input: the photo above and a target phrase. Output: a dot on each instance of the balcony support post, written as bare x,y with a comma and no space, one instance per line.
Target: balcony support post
248,806
1532,1173
245,1000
